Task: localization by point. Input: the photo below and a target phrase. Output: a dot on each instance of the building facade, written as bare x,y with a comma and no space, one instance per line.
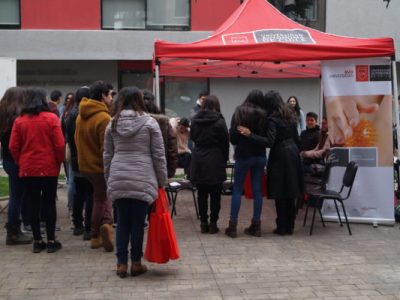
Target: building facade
67,44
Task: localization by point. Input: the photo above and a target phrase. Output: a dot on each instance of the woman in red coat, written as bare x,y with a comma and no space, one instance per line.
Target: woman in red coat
37,146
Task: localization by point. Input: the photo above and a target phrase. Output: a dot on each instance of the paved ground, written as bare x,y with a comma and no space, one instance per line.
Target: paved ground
328,265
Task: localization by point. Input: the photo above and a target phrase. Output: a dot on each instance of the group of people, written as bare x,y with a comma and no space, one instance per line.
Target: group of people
120,149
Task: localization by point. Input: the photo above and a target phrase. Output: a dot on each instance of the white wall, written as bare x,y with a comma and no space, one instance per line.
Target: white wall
232,92
365,19
8,74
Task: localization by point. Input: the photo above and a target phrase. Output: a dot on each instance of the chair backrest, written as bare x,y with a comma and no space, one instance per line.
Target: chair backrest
349,176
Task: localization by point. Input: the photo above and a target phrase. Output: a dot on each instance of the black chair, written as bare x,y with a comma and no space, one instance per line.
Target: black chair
314,184
172,193
317,197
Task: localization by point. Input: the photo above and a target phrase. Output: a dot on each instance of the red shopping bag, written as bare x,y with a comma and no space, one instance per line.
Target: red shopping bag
248,194
161,243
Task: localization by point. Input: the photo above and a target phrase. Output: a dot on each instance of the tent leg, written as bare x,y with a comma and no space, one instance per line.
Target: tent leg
157,86
321,102
396,101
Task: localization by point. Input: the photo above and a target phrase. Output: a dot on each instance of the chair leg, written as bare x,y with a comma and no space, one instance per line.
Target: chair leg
305,216
169,196
345,216
174,195
338,214
322,218
195,204
299,204
312,222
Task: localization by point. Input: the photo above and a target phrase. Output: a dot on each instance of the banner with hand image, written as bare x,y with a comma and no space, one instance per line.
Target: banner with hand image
358,104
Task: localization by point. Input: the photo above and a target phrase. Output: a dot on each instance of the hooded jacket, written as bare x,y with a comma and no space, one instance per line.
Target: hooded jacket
37,145
134,158
91,124
211,152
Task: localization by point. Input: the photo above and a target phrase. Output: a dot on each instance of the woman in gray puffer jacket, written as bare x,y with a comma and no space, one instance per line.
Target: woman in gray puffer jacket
134,168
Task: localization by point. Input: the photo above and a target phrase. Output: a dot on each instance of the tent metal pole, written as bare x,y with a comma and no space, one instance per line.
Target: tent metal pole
158,102
396,102
154,83
321,101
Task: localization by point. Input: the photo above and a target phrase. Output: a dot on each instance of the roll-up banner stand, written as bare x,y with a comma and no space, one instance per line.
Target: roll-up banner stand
358,102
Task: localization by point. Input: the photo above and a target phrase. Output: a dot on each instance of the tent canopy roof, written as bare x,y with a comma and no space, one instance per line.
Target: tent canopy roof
258,41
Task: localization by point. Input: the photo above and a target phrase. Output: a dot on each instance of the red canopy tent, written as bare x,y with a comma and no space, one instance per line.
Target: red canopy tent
257,41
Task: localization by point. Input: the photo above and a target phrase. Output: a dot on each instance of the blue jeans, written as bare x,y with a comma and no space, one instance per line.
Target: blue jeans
131,214
255,165
16,187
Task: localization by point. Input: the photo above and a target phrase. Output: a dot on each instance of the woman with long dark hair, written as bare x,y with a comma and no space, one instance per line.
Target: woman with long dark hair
133,146
301,120
10,107
249,156
37,146
169,136
210,135
284,170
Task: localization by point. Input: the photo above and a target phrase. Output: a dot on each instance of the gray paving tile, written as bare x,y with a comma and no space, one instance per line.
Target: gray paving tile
328,265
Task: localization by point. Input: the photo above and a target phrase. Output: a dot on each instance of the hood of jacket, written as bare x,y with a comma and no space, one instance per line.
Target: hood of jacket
205,117
89,107
130,122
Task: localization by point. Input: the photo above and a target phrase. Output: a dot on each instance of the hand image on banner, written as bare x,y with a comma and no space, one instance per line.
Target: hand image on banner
355,121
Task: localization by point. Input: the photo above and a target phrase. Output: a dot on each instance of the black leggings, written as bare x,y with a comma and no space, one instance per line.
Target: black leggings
42,191
214,190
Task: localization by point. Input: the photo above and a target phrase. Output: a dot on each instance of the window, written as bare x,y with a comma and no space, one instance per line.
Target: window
181,95
142,80
298,10
145,14
310,13
10,14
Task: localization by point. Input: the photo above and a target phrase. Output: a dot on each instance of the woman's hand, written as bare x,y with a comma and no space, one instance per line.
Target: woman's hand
244,130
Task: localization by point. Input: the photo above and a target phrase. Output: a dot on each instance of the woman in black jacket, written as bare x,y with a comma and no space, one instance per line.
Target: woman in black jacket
284,170
208,167
250,157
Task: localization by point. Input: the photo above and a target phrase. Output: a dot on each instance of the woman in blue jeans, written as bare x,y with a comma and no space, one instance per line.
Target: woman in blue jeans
249,156
133,146
10,108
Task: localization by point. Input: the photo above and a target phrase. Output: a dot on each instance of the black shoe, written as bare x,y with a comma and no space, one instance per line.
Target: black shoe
282,231
204,227
53,246
39,246
78,230
213,228
86,235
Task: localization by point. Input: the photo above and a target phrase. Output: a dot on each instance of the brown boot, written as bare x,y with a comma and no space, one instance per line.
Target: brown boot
231,230
137,268
254,229
122,270
96,242
106,232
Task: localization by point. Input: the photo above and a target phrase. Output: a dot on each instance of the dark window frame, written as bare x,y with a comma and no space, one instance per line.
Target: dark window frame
152,28
13,26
